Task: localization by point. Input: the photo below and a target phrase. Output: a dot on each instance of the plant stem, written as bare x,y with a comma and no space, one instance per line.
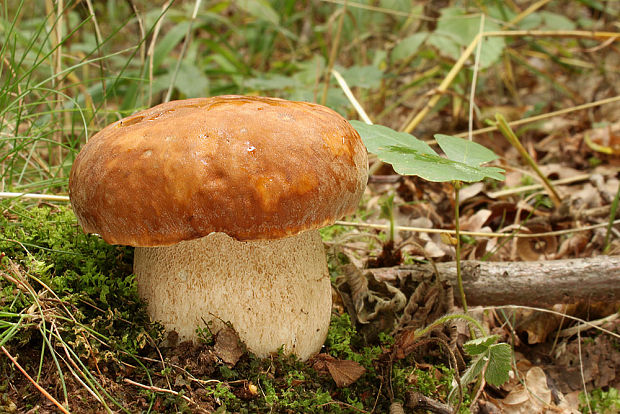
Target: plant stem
505,129
457,234
612,217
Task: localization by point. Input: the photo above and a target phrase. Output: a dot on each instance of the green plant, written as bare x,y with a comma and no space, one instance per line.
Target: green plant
599,401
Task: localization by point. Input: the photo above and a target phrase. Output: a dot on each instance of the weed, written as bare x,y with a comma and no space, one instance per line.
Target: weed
599,401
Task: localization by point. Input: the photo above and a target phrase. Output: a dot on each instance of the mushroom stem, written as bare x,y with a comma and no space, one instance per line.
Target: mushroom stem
275,293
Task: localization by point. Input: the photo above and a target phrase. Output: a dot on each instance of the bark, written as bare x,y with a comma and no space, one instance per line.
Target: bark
524,283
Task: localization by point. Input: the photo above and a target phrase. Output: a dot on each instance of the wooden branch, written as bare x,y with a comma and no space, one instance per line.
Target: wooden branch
524,283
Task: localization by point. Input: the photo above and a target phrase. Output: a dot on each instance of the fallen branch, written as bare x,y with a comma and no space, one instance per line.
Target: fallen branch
523,283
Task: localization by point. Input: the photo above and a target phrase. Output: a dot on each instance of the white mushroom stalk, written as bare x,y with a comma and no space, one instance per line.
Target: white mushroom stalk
274,293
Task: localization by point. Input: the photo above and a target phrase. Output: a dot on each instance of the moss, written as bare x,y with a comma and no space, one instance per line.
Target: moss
100,318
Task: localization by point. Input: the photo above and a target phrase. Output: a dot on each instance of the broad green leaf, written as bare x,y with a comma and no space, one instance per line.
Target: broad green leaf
260,9
431,167
191,81
408,46
367,77
461,28
169,42
464,150
410,156
479,345
554,21
500,359
271,82
379,136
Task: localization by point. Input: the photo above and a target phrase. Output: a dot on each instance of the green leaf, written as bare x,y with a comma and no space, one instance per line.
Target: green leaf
377,136
271,82
554,21
461,28
410,156
479,345
464,150
260,9
191,81
408,46
169,42
500,359
475,369
367,77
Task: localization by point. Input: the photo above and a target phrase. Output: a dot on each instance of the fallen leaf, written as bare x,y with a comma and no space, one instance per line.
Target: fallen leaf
228,347
345,372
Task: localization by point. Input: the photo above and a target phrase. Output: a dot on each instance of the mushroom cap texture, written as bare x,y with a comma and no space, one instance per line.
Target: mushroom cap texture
250,167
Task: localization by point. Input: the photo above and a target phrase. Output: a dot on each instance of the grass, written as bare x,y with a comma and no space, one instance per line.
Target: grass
72,297
69,308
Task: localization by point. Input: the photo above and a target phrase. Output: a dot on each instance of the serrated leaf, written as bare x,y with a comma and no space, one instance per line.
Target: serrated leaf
475,369
500,360
464,150
479,345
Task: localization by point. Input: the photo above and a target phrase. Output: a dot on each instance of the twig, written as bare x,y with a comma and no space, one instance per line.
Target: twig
45,393
48,197
418,401
443,86
474,233
470,125
583,378
188,35
332,53
544,116
158,389
347,91
591,324
534,187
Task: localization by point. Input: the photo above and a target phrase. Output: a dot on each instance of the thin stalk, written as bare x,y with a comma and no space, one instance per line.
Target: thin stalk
333,52
457,234
183,50
443,86
505,129
440,321
612,217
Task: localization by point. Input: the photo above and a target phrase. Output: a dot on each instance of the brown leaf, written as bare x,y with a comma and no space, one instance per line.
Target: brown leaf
537,248
228,347
344,372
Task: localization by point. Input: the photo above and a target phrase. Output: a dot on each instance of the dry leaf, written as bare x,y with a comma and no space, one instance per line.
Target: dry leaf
343,371
530,398
228,347
537,248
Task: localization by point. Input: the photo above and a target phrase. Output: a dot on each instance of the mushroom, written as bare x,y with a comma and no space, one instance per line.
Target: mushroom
223,198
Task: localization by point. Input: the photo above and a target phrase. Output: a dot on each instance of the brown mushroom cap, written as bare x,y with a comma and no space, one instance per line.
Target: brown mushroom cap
250,167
